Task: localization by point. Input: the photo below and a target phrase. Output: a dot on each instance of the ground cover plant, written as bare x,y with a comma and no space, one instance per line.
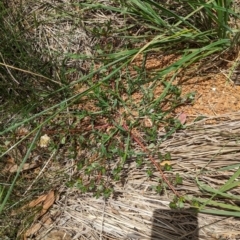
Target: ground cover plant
90,102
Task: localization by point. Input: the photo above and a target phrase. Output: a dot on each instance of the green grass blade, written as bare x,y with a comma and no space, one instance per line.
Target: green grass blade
231,183
2,205
206,201
220,212
220,192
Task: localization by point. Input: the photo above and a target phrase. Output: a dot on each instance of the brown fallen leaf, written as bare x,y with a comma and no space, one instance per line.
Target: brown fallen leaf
37,201
48,221
32,204
31,231
10,160
58,235
182,118
26,166
48,202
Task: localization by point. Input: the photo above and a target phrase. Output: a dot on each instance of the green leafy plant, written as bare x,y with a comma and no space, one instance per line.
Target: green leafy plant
177,203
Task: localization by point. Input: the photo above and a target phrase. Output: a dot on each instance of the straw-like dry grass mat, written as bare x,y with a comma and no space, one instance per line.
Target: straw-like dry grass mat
63,31
136,211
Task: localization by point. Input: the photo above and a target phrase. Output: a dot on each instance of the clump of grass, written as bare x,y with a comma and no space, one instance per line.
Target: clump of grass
25,79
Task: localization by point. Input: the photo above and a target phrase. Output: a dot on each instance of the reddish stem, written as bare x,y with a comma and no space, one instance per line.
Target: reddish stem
152,160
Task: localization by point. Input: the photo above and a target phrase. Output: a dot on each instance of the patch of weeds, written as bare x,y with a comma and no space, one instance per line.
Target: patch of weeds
109,146
178,180
139,162
177,203
165,164
158,189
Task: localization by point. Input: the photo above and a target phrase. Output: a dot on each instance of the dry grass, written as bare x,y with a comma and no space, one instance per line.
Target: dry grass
135,211
63,32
